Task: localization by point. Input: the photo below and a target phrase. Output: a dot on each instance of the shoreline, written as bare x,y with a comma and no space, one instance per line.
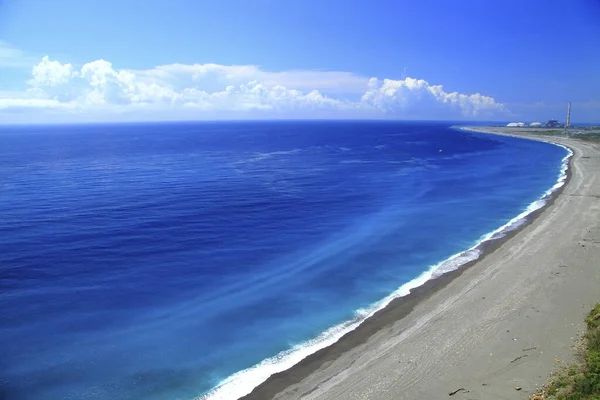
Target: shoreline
501,326
401,307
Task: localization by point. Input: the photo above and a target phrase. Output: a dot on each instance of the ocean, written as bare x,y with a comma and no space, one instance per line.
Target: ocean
193,260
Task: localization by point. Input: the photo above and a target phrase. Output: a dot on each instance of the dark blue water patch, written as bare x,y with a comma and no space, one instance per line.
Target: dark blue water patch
152,261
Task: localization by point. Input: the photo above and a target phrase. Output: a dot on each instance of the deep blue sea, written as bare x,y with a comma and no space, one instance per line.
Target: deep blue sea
155,261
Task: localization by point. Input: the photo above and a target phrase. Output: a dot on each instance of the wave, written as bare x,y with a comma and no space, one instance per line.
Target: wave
243,382
263,156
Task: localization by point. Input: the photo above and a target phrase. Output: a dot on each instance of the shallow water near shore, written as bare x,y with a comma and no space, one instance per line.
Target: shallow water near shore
156,261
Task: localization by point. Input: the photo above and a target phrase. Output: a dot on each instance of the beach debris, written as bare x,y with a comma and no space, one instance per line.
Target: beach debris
518,358
458,390
518,388
530,348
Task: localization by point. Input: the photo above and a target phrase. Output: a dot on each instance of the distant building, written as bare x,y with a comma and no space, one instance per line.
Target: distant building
535,124
553,124
516,124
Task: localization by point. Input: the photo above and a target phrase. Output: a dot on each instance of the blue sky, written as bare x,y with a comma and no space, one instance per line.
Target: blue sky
71,60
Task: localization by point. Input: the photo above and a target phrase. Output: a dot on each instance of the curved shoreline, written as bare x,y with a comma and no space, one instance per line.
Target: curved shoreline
503,324
396,307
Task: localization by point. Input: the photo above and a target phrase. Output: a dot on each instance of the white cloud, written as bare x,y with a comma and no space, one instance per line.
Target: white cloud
207,75
50,73
13,57
203,90
32,98
414,97
257,96
31,103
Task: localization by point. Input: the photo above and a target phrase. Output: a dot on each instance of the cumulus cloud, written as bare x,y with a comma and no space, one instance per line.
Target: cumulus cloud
257,96
50,73
415,96
98,84
205,89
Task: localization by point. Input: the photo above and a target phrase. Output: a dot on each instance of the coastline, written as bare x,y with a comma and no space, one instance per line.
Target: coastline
503,322
285,384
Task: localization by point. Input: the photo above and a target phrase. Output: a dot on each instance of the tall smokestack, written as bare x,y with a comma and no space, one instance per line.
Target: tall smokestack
569,116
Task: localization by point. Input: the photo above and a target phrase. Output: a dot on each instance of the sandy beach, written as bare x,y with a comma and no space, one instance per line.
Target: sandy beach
505,321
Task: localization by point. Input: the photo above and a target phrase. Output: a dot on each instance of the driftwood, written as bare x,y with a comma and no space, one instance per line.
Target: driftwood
518,358
458,390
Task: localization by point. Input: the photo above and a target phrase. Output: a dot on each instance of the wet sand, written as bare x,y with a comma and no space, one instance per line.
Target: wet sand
496,324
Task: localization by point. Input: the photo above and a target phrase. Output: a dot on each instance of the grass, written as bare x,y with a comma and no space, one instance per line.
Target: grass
588,137
591,136
580,381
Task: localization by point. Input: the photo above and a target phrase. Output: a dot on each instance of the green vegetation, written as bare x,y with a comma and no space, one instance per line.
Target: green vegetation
585,135
582,380
588,137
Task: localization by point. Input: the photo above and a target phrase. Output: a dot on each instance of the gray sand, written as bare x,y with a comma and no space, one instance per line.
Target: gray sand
507,321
